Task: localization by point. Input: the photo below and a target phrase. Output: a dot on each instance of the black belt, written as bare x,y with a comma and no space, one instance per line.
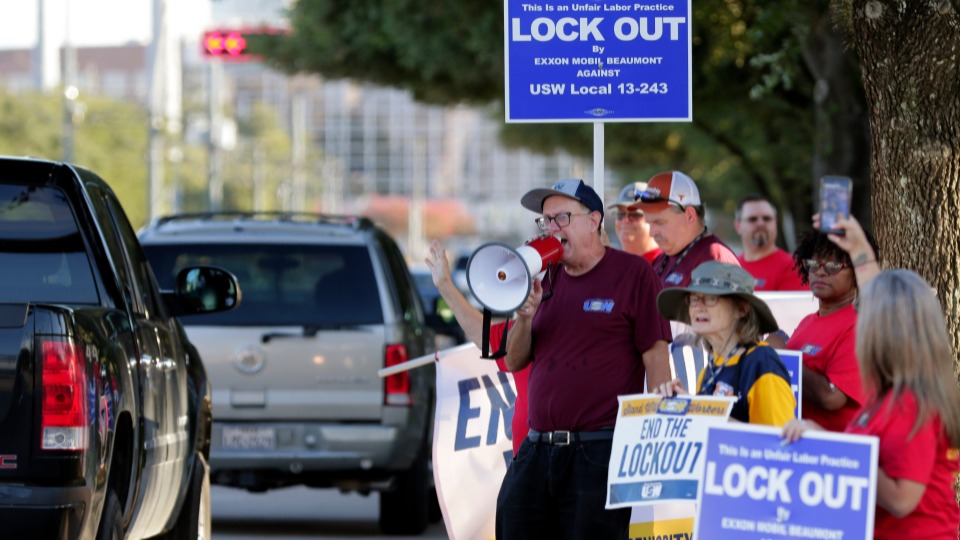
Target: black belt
563,438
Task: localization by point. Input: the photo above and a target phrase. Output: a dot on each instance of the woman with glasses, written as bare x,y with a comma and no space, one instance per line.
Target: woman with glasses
832,391
913,402
721,309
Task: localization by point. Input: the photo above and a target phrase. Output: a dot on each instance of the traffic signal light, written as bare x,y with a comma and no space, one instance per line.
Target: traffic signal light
225,44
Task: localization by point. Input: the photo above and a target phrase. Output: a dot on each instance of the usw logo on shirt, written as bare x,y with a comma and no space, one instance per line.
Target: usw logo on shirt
598,305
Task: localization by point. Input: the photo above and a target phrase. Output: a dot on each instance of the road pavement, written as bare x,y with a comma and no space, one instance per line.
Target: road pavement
299,513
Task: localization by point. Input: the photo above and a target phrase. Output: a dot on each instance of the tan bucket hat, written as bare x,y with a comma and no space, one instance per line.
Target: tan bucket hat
720,279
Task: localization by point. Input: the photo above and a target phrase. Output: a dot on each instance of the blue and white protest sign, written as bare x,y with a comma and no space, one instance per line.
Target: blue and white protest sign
472,446
658,443
793,360
598,60
754,487
471,440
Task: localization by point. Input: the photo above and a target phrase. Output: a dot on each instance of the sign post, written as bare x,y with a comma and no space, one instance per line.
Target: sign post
598,61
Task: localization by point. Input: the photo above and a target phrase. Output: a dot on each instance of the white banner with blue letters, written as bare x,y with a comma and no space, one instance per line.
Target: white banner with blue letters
471,440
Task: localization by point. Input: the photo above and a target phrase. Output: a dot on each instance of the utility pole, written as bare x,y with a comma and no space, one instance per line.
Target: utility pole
416,246
298,121
259,177
214,175
46,54
157,71
70,91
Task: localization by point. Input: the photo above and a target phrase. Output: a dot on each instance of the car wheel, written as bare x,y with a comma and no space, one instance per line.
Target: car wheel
111,521
193,523
404,510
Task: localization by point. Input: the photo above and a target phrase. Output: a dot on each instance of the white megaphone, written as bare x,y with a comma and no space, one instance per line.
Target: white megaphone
500,277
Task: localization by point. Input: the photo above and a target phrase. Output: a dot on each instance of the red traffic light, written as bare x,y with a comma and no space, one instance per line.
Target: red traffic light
224,43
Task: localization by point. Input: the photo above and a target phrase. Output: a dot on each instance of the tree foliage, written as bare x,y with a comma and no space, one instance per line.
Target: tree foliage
109,138
756,124
443,51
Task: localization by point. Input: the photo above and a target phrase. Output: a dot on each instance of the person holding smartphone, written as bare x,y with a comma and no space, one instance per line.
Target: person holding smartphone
913,401
832,392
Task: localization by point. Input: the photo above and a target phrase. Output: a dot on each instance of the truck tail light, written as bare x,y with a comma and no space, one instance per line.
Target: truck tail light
64,406
397,386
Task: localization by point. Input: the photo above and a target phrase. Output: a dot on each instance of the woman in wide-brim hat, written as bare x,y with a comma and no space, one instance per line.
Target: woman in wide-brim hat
721,309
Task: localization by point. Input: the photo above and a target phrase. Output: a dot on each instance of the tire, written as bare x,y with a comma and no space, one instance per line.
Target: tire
405,510
111,520
194,521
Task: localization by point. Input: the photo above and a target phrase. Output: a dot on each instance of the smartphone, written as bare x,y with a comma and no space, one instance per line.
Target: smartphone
835,194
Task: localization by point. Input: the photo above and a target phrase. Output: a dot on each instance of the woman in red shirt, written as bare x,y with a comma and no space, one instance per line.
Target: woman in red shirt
913,401
832,390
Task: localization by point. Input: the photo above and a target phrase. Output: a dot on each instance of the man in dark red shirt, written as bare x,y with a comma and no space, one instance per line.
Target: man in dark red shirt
589,332
672,206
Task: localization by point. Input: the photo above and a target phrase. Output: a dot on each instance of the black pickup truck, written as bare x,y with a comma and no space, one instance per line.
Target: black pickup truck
105,407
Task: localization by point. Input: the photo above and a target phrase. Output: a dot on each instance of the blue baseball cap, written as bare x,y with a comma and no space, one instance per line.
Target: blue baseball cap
568,187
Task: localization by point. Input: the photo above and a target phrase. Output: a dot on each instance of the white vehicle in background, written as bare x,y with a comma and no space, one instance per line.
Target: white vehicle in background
328,301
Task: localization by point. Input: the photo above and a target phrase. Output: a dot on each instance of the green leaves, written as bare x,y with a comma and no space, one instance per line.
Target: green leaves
752,84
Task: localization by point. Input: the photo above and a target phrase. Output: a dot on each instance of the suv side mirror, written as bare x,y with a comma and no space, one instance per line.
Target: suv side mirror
203,289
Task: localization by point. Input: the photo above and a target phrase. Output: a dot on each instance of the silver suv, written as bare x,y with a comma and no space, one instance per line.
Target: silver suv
327,302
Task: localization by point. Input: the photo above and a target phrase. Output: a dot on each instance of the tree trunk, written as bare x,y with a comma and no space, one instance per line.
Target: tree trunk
909,54
842,145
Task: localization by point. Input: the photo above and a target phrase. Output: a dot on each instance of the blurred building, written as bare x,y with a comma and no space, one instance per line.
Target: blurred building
350,141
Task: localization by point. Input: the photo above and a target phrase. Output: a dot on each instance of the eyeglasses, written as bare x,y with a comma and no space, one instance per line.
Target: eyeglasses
631,216
649,197
562,220
754,219
708,300
812,266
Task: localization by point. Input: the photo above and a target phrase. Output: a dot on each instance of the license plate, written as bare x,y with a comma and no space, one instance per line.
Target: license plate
249,438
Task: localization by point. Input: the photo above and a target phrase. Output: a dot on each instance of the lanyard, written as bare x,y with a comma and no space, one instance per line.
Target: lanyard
663,265
709,386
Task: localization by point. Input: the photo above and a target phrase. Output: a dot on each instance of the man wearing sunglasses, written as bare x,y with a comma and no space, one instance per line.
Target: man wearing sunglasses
756,222
671,205
632,229
592,338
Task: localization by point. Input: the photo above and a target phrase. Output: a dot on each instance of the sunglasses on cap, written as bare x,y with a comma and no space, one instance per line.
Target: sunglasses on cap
633,215
648,197
830,268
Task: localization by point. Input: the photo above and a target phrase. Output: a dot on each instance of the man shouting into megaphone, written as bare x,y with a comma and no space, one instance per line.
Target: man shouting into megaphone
590,331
